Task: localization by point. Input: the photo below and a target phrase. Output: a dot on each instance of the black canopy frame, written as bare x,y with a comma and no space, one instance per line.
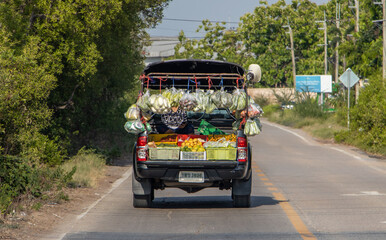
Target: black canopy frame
192,74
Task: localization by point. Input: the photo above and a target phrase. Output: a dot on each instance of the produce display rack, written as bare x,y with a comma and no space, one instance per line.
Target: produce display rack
192,75
190,81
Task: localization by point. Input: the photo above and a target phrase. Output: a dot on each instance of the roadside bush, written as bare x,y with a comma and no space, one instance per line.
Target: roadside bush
39,148
307,106
271,108
284,97
19,177
368,118
261,100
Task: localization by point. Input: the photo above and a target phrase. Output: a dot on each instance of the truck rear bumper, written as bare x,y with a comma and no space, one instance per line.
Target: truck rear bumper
213,170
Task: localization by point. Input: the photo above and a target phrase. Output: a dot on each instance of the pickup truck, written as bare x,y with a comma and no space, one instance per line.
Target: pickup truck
154,172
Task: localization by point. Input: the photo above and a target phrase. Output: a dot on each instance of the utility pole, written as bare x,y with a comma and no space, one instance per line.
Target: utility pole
357,15
384,38
337,43
356,6
384,42
325,49
325,42
292,53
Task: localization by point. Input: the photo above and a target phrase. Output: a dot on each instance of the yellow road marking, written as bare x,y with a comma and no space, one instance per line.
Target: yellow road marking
294,218
261,174
292,215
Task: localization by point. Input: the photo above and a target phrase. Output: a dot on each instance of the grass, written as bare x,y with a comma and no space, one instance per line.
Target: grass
325,127
89,167
322,128
9,226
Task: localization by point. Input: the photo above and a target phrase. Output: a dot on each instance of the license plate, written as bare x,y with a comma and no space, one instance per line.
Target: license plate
191,177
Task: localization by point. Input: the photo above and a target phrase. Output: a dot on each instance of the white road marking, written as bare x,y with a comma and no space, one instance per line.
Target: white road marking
337,149
383,222
169,215
360,159
347,153
116,184
289,131
365,193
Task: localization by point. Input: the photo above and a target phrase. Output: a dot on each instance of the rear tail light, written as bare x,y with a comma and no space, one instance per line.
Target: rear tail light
242,142
142,141
141,155
242,149
141,148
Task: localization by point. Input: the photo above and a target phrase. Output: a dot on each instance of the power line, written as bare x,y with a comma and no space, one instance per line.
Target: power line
199,21
169,38
165,44
174,29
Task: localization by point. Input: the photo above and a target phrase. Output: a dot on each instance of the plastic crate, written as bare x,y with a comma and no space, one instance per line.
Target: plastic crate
221,154
182,137
194,156
164,153
157,138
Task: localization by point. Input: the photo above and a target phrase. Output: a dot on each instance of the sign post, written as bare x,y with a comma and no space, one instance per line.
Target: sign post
348,97
349,79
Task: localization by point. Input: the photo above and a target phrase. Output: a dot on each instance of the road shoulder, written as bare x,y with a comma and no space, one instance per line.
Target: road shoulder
51,218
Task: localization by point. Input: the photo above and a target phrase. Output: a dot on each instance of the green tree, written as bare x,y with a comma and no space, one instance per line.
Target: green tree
66,67
26,84
92,50
261,38
363,49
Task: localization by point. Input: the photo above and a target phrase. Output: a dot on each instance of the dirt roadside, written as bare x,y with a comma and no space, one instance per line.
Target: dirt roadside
32,225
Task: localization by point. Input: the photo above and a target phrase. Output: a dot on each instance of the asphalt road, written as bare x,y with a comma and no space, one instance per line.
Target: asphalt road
302,189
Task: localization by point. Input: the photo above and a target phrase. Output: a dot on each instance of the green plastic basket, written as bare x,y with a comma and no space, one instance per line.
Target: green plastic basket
228,154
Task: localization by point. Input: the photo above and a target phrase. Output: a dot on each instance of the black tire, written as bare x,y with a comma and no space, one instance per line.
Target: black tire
152,193
242,201
142,201
241,192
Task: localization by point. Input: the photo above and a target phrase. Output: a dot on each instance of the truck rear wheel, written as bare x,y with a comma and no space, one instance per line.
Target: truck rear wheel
142,201
243,201
143,192
241,192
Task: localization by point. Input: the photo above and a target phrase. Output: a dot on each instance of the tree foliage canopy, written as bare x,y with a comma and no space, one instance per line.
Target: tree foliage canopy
67,66
262,37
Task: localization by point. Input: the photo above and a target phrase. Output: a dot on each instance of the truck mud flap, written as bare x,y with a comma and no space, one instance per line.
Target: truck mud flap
242,187
142,187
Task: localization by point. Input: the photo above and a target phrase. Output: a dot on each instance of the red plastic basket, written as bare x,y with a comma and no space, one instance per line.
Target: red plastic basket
183,137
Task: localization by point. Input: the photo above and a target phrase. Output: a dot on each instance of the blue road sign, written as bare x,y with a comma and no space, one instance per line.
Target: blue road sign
308,83
314,83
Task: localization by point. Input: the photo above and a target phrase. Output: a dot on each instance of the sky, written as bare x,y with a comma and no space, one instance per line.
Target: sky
214,10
